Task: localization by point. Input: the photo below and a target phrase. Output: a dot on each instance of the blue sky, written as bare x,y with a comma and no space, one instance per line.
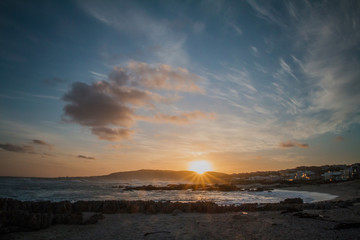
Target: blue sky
93,87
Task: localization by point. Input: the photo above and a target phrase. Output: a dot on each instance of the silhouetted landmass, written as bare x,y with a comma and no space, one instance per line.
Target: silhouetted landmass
167,175
288,177
301,175
194,187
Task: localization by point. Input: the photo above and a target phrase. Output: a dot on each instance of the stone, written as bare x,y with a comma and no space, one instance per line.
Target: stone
91,217
293,201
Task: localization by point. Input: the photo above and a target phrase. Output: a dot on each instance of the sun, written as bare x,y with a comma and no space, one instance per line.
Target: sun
200,166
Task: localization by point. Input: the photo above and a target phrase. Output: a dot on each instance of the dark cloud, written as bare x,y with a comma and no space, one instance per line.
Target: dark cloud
91,105
85,157
108,107
54,81
128,95
17,148
339,138
24,148
41,142
112,134
119,76
292,144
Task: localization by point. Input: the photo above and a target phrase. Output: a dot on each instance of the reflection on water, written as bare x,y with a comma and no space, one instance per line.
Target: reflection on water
58,190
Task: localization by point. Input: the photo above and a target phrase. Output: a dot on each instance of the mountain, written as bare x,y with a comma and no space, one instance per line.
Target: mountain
166,175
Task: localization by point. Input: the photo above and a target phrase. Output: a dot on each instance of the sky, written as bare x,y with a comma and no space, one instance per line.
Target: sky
94,87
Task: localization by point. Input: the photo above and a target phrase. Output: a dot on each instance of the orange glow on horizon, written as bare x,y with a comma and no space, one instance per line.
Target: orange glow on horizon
200,166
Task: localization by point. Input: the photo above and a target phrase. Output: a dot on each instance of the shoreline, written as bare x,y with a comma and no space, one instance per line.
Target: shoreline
343,190
315,196
109,220
334,223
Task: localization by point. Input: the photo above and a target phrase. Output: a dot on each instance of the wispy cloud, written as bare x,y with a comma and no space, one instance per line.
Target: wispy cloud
17,148
98,76
329,62
182,118
112,134
236,28
41,143
140,25
36,95
292,144
85,157
26,148
55,81
339,138
254,51
309,92
266,11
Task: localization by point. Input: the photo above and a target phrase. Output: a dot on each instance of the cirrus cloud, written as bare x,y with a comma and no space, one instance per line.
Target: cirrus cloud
292,144
85,157
41,142
339,138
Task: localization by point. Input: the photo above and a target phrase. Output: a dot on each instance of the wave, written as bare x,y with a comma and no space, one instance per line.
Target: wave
75,190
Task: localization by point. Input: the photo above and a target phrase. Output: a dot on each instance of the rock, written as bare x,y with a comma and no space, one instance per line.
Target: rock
39,221
40,207
150,207
63,207
113,206
347,225
19,220
293,201
82,206
91,217
60,219
176,212
248,207
74,219
306,215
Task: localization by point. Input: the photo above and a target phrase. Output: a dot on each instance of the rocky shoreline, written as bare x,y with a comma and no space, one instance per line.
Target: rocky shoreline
18,215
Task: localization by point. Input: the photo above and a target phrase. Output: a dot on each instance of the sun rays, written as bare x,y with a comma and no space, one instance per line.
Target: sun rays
203,174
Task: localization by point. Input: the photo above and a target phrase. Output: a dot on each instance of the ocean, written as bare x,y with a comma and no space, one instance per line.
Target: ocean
42,189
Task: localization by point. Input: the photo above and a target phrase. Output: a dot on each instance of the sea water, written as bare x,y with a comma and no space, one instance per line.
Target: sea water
40,189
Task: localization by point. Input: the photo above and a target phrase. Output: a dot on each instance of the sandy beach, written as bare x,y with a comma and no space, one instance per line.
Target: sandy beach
344,190
340,222
251,225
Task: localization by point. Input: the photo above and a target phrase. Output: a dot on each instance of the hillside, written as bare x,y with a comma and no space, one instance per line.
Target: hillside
166,175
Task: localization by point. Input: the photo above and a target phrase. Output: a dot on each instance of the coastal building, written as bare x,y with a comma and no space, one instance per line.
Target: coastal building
356,170
342,175
300,175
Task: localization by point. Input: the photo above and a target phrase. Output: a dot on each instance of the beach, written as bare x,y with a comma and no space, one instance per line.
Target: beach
250,225
343,190
336,219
